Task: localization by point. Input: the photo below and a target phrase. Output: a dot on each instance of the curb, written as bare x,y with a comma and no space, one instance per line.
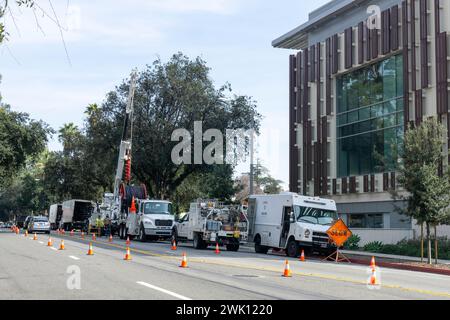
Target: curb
404,267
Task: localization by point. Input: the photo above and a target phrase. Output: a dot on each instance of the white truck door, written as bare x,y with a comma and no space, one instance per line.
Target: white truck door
183,227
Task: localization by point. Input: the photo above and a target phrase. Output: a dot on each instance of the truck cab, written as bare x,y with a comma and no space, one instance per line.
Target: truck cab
153,219
291,222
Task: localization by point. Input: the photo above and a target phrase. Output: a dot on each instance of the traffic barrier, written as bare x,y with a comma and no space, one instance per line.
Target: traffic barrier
127,255
174,245
217,248
90,251
287,270
49,242
61,246
184,261
110,238
302,256
372,263
35,236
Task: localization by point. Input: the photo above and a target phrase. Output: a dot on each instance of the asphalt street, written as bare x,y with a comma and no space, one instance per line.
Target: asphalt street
29,269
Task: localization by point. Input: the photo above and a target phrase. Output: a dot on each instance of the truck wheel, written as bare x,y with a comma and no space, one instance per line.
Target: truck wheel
142,236
198,242
293,249
233,247
258,247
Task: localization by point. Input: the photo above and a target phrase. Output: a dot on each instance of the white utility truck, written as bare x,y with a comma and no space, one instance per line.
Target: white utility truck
291,222
55,215
209,222
153,220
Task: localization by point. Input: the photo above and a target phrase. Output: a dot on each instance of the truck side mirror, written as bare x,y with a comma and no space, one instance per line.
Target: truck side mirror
293,220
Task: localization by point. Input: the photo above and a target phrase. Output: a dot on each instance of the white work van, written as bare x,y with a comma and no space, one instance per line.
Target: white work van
76,214
291,222
153,220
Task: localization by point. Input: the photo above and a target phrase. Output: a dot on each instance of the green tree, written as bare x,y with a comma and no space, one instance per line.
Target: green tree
22,138
428,191
169,96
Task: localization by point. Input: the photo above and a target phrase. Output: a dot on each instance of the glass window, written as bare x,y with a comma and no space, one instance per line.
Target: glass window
370,117
366,221
157,208
315,215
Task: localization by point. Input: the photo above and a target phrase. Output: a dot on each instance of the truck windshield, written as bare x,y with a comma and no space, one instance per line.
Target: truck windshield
158,208
315,215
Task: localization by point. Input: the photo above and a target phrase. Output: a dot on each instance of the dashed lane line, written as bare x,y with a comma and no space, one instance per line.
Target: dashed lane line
170,293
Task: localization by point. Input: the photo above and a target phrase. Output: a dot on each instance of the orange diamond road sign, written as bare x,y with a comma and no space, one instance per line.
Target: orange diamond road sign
339,233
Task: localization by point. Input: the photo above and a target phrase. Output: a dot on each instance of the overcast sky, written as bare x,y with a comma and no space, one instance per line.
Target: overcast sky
106,39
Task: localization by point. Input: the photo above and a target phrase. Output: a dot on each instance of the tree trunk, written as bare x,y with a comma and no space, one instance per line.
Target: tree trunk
435,244
429,243
421,242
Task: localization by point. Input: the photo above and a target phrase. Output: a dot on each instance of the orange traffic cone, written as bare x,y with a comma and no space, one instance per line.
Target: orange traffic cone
26,233
287,270
82,235
49,242
373,279
35,236
184,261
90,251
127,255
17,231
94,237
61,246
302,256
174,246
110,238
372,264
217,248
72,233
128,241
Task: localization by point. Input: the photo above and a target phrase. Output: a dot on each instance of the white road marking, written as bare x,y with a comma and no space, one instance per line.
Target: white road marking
53,248
41,242
74,258
170,293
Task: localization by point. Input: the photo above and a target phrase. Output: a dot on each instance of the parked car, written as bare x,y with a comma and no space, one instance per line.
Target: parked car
26,222
39,224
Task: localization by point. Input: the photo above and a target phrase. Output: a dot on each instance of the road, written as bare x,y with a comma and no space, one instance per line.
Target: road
29,269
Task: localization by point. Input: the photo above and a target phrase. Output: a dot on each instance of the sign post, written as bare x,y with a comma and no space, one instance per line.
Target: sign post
339,234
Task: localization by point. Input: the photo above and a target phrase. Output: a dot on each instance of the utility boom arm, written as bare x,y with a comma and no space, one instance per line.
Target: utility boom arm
127,139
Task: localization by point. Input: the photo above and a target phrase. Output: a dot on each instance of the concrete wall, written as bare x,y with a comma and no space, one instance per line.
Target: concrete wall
386,236
442,231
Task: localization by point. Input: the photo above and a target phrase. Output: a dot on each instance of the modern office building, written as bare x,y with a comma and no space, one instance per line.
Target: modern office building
363,70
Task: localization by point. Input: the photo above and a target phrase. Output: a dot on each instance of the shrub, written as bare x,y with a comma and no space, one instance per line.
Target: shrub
375,246
352,242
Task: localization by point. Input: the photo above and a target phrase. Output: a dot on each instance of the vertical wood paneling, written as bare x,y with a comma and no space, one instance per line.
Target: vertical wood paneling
368,44
419,106
299,96
334,54
293,151
442,73
385,181
352,184
328,77
348,35
386,31
372,183
344,185
324,143
394,28
413,46
405,35
424,44
334,186
366,184
361,43
312,61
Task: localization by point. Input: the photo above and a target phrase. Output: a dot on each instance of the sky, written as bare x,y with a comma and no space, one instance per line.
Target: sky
106,39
